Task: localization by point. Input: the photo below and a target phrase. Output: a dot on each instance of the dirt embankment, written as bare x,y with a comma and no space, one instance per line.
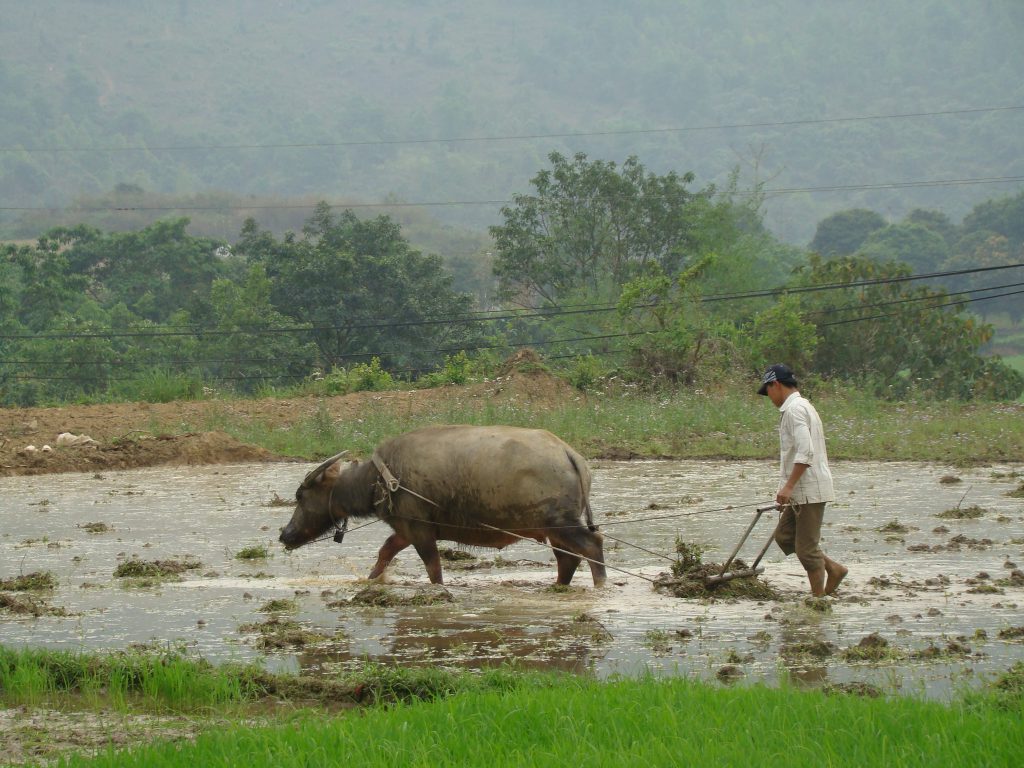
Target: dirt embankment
131,435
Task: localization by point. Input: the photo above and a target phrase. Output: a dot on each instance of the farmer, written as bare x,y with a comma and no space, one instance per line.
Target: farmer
806,483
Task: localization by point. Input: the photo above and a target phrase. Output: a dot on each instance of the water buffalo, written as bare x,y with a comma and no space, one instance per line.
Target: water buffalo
480,486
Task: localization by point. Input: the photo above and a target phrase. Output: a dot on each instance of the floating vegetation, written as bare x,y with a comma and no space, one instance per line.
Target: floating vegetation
279,606
853,689
657,640
1015,579
275,633
255,552
874,648
728,674
963,513
954,649
1012,633
277,501
818,649
383,597
27,606
168,570
95,527
893,526
38,581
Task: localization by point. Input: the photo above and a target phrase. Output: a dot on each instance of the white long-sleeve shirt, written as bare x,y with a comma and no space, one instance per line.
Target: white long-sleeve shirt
802,441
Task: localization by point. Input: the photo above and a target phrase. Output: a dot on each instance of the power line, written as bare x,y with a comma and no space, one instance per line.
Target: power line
515,137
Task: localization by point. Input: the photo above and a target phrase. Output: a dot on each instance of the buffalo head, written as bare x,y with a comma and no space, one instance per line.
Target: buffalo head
313,514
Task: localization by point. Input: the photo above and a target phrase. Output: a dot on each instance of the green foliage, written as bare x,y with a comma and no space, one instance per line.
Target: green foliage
782,334
843,233
344,274
362,377
676,340
590,223
892,336
913,244
158,386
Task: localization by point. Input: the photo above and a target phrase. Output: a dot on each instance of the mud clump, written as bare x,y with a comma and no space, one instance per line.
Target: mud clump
893,526
952,650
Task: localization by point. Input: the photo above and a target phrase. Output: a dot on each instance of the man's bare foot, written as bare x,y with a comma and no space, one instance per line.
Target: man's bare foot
836,573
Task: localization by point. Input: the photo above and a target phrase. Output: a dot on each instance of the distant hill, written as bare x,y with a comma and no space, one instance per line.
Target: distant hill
350,101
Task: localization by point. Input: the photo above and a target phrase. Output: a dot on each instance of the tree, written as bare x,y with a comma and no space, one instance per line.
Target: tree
921,248
842,233
895,336
363,290
591,227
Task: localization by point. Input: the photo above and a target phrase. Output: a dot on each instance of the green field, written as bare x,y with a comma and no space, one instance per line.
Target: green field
503,718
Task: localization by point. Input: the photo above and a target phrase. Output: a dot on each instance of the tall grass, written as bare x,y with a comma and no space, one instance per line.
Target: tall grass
731,423
643,723
163,679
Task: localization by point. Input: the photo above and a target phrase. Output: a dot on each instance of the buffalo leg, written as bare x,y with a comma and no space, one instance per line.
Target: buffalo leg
391,547
431,559
582,544
567,565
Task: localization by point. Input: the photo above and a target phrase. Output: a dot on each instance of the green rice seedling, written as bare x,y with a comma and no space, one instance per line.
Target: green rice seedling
629,722
254,552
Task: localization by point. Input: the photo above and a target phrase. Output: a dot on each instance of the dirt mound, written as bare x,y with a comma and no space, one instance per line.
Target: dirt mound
128,435
187,449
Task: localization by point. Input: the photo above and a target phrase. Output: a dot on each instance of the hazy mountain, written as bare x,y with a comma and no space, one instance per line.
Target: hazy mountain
354,101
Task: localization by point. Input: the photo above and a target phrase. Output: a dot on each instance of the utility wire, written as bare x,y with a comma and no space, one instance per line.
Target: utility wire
375,325
517,137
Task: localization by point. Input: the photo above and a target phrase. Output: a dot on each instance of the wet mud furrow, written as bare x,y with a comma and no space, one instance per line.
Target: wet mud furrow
189,556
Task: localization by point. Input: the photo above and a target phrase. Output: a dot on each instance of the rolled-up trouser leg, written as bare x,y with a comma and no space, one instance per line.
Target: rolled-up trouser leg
799,531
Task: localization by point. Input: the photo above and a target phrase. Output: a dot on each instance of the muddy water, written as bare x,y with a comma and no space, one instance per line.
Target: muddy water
502,610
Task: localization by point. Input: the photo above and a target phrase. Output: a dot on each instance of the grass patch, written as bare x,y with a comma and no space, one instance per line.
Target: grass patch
724,422
648,722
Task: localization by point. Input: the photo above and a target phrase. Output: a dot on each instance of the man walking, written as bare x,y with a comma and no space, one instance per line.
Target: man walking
806,483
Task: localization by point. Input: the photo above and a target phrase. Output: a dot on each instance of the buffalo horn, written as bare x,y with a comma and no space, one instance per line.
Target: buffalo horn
309,478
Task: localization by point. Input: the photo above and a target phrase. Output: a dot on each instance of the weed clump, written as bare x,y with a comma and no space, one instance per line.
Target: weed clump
155,569
382,597
893,526
1012,633
255,552
27,606
972,512
872,647
689,578
38,581
276,633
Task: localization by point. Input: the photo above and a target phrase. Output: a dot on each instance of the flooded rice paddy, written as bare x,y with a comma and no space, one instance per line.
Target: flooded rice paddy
941,591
